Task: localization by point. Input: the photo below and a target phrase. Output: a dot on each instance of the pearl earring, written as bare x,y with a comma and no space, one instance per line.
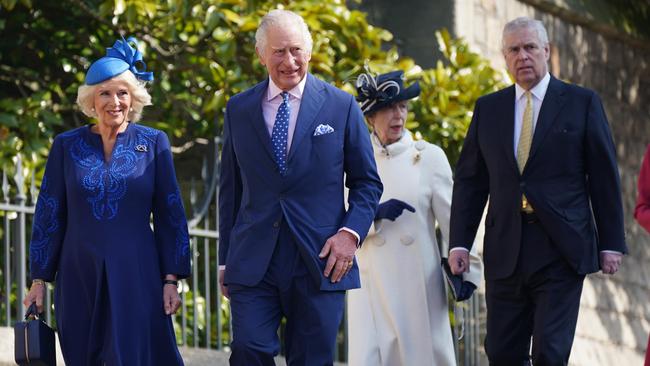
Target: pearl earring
92,109
131,110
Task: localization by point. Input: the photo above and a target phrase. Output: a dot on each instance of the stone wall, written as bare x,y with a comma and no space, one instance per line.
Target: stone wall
614,317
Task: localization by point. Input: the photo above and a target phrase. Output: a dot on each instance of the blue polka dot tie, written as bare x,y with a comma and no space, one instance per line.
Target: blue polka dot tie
280,133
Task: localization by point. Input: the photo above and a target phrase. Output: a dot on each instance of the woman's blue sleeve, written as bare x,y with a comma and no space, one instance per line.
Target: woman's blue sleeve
170,224
48,228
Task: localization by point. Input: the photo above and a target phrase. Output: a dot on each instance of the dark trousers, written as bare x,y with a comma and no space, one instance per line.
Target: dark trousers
540,299
287,290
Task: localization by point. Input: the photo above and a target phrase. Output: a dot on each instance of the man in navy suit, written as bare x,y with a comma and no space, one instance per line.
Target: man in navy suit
541,150
287,242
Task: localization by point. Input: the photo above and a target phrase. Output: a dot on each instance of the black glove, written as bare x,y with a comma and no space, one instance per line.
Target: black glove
392,209
466,291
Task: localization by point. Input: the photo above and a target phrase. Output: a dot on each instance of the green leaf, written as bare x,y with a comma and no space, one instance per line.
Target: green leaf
232,17
8,120
9,4
119,7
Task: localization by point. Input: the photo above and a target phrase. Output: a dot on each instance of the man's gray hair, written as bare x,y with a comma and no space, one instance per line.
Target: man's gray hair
523,23
279,17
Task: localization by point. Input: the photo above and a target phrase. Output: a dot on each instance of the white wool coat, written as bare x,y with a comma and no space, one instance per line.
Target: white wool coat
400,315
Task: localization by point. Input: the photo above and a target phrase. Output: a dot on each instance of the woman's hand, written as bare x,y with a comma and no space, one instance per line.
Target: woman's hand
392,209
36,294
171,298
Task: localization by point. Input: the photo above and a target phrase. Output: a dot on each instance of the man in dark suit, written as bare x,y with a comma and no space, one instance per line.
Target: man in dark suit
286,238
541,150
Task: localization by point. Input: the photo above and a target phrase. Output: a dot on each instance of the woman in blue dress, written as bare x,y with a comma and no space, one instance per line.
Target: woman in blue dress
116,278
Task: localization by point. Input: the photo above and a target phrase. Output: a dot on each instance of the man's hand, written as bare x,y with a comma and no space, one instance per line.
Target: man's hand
458,261
339,250
392,209
609,262
36,294
224,288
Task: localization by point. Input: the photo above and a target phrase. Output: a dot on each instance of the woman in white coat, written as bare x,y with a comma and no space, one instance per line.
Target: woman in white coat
400,315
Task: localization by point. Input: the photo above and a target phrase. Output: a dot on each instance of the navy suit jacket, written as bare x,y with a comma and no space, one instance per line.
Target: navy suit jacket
570,178
254,198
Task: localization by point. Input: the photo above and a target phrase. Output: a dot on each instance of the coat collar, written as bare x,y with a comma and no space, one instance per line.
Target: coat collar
257,117
312,101
551,106
506,120
395,148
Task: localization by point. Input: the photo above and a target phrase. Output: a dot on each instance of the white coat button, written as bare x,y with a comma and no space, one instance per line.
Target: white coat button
406,239
379,240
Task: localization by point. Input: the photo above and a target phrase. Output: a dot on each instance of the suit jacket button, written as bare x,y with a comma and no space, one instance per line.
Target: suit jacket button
276,224
406,239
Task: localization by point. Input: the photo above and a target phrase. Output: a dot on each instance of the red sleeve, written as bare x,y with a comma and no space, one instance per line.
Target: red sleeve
642,210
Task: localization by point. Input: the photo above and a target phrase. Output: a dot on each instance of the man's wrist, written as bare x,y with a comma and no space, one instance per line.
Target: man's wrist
459,248
356,236
38,281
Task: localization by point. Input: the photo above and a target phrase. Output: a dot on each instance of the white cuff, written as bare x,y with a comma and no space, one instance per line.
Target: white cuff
352,232
458,248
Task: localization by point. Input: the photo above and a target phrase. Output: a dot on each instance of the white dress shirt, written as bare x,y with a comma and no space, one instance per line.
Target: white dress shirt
272,102
538,92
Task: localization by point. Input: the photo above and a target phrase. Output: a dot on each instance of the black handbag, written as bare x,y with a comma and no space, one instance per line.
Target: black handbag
34,342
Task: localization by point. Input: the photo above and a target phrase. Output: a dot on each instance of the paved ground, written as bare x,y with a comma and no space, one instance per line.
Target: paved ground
191,356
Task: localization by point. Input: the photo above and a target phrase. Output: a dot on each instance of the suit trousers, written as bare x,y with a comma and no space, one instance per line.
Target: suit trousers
287,290
541,302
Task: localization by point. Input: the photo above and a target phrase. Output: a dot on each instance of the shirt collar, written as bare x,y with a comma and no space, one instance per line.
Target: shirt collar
273,90
539,90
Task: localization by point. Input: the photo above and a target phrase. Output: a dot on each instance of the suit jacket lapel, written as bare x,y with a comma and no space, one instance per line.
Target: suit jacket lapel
257,117
506,119
551,106
310,105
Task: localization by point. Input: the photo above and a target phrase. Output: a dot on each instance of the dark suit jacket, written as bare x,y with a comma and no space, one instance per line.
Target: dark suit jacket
254,197
570,178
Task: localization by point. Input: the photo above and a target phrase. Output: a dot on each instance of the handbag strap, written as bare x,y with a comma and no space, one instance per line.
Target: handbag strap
32,311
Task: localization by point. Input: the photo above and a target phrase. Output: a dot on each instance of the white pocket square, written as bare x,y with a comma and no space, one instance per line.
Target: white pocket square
323,130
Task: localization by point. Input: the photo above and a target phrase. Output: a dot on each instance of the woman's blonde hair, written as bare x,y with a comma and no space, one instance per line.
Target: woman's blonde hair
139,96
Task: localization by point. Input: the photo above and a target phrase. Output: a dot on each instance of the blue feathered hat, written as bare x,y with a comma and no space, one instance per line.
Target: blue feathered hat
119,58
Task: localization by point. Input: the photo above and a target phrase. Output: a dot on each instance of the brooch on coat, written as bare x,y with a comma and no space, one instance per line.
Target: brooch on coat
141,148
419,146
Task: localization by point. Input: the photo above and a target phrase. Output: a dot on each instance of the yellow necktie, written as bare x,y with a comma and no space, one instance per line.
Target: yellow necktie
526,136
523,148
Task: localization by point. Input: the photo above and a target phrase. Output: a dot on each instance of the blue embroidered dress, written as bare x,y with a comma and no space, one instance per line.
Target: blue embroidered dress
92,235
